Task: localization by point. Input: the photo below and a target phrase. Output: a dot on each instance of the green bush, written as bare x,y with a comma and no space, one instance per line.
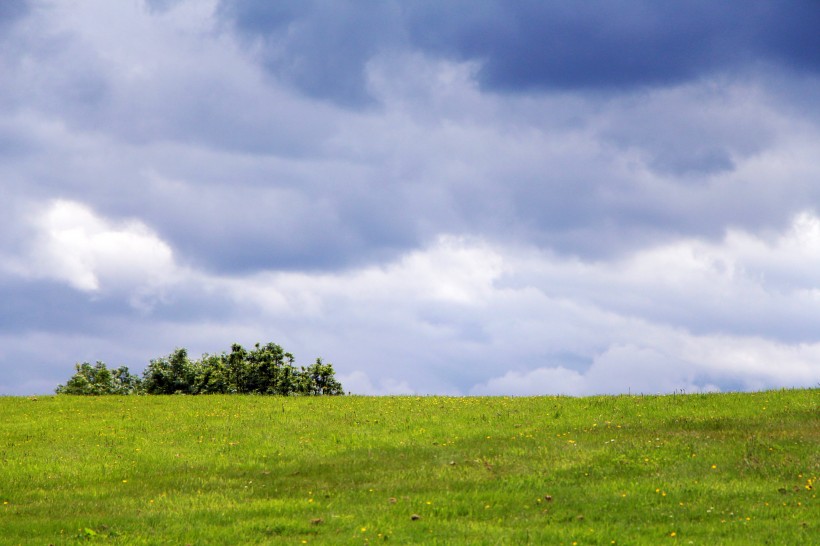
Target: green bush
266,369
98,379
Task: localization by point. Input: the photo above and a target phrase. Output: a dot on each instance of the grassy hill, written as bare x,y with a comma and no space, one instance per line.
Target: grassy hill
685,469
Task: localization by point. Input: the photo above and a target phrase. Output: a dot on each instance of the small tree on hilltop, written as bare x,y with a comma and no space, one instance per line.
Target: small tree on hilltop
319,379
173,374
265,365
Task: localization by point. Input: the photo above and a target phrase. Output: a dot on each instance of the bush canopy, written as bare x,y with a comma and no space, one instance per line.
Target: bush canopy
266,369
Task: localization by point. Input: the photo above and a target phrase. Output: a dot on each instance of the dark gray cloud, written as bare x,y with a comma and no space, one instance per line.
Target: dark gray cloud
526,45
530,45
617,45
787,32
321,47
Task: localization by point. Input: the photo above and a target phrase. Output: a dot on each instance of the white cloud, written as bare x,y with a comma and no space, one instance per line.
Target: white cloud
539,381
76,246
466,316
359,383
452,315
673,362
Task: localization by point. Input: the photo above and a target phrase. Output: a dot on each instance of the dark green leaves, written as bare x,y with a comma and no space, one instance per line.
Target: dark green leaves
265,369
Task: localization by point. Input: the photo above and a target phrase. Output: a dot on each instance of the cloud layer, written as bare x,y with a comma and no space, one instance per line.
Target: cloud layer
438,197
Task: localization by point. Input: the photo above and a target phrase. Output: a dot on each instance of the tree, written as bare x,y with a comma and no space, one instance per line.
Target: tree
123,382
318,379
98,379
211,375
173,374
238,368
269,368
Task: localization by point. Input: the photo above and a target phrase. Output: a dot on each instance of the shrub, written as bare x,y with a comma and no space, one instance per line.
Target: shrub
98,379
266,369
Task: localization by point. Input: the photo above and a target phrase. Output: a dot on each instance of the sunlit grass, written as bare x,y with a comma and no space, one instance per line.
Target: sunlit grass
699,469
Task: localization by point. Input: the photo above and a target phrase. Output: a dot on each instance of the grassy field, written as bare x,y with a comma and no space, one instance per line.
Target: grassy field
686,469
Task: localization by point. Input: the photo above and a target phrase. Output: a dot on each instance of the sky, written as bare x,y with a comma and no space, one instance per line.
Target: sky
459,197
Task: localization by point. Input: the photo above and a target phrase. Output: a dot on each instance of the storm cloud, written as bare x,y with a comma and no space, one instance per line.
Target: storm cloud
438,197
530,45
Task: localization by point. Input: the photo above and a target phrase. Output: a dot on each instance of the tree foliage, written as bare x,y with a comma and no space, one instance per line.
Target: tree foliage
98,379
265,369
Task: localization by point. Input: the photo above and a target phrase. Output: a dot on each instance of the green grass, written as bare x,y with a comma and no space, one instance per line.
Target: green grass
687,469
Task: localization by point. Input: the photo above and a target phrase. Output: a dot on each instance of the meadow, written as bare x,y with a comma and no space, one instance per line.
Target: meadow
677,469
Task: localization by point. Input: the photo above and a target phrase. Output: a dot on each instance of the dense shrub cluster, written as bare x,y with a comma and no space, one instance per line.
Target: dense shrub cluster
98,379
266,369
